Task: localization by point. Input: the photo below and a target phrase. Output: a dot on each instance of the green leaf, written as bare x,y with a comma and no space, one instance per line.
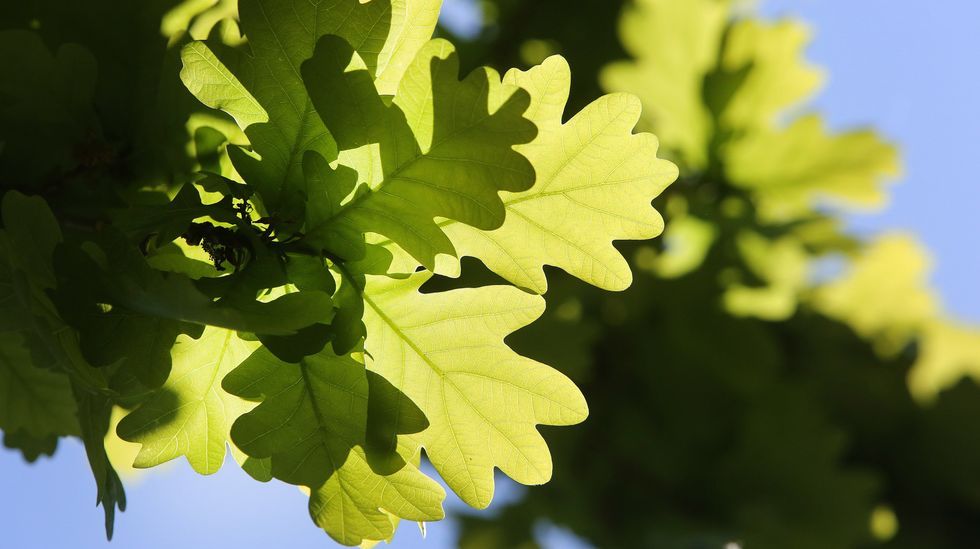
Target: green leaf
30,447
28,243
120,338
309,274
412,25
687,241
191,415
170,220
311,424
180,258
259,469
443,148
53,343
11,310
389,415
775,77
781,264
197,17
94,414
279,40
948,352
844,168
33,234
35,401
675,45
132,284
305,342
207,78
312,413
357,505
885,295
446,352
348,323
46,112
595,181
138,343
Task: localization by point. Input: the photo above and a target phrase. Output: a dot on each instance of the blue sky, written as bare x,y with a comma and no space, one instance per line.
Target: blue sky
907,69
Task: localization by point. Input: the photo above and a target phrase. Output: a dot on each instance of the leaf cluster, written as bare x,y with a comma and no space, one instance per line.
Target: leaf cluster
233,249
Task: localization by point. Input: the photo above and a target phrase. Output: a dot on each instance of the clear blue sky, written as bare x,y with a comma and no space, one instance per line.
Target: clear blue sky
908,69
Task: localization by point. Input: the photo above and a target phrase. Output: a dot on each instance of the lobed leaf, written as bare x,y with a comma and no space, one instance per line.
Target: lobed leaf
191,415
311,424
675,45
446,352
36,402
768,57
594,183
845,168
94,414
884,296
443,148
280,38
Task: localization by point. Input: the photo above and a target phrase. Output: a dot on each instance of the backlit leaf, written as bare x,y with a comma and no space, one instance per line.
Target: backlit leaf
191,415
446,352
594,183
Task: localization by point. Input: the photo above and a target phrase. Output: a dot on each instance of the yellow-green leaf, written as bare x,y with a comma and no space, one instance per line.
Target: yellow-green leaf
775,77
885,296
789,169
446,352
947,353
674,45
311,424
36,401
594,183
191,415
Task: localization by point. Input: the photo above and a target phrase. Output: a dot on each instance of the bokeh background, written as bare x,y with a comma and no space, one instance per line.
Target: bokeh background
908,70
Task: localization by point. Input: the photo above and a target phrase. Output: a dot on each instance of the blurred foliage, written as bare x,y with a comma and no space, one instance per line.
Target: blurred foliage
769,379
133,110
